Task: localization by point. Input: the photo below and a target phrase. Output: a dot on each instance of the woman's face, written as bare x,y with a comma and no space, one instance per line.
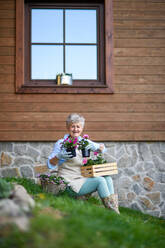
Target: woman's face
75,129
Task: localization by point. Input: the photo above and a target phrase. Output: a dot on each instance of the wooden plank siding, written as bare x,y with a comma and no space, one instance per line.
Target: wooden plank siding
136,110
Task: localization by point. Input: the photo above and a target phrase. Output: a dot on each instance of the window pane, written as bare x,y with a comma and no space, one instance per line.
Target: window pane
81,26
81,61
46,61
47,25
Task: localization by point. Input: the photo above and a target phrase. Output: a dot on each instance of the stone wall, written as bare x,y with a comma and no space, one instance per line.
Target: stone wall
140,182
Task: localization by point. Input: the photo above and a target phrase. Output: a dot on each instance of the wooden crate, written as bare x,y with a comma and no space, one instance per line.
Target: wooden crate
99,170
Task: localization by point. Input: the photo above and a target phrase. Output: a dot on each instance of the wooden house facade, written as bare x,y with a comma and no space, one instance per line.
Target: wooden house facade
136,109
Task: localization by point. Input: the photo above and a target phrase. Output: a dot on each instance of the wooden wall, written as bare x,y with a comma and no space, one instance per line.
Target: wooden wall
136,111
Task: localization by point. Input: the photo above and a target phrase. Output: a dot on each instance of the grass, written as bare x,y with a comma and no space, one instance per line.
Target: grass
63,222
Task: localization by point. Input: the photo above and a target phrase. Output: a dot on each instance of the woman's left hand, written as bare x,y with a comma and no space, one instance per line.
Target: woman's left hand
93,146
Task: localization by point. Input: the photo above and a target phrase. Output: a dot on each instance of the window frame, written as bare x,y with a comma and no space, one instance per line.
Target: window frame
23,85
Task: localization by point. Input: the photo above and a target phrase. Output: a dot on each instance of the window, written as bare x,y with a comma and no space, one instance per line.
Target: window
54,37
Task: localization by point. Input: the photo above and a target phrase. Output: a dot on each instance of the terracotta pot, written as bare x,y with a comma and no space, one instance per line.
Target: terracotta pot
85,153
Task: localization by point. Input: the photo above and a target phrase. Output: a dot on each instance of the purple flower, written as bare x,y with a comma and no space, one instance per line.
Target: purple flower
95,153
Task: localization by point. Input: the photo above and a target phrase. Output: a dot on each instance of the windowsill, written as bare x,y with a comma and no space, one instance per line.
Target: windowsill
63,89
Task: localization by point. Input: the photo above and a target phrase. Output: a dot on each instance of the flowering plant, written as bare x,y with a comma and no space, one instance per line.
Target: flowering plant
84,142
52,184
47,178
70,143
97,160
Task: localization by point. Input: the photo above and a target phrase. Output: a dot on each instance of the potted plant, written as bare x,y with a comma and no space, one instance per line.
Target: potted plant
52,183
82,146
97,160
70,144
98,167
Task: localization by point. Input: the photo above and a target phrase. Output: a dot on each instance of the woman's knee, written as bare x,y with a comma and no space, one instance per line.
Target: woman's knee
101,180
108,178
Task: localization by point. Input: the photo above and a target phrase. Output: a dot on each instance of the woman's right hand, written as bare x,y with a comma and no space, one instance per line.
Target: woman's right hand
63,154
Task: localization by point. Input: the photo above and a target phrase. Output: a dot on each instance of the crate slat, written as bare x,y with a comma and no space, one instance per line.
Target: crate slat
99,170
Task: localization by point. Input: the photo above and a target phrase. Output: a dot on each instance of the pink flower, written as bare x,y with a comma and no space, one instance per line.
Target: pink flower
75,141
95,153
86,136
85,161
70,141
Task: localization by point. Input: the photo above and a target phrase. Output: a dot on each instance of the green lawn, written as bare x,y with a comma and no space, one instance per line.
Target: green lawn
63,222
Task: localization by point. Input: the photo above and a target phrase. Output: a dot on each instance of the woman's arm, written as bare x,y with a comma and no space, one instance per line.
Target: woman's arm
52,159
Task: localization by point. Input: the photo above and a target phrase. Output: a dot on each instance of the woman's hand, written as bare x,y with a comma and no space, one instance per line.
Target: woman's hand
92,146
64,155
95,147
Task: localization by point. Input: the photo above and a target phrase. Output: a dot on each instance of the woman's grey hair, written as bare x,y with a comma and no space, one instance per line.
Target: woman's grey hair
74,118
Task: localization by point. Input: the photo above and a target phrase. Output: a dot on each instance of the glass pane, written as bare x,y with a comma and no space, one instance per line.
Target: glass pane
81,26
81,61
46,61
47,25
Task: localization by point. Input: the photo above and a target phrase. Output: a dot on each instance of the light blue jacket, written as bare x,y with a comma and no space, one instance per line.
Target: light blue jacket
57,148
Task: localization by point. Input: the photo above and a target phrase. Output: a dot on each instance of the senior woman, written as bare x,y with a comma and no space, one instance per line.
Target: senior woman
69,168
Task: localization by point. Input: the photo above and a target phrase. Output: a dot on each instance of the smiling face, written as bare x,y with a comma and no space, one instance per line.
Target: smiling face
75,129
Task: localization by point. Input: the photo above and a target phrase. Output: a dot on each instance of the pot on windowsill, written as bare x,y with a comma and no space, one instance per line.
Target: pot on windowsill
73,151
85,153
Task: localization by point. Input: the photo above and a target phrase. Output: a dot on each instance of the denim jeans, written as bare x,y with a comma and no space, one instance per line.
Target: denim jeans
103,185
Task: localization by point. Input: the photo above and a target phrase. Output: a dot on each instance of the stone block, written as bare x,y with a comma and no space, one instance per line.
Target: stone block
6,159
162,155
45,151
159,164
155,175
144,152
20,149
163,178
33,153
140,167
110,151
137,189
148,183
41,169
136,178
10,172
6,146
131,196
124,162
19,161
136,206
149,165
125,183
146,203
120,152
26,171
121,195
129,172
154,197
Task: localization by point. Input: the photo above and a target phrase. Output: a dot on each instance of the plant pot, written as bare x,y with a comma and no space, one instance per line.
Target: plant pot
85,153
72,150
53,188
